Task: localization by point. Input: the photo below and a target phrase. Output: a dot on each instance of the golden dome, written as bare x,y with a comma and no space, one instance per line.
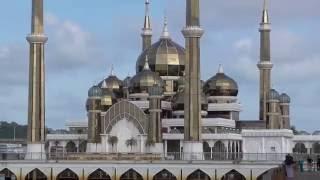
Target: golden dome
107,98
114,84
221,85
166,57
141,82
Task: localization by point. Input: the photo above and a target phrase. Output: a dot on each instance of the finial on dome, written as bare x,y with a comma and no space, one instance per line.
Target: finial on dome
165,32
220,70
265,13
112,71
147,21
146,64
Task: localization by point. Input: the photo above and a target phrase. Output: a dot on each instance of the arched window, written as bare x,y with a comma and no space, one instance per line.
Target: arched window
207,151
71,147
67,174
300,148
198,175
99,175
131,175
6,174
233,175
164,175
219,151
83,146
36,174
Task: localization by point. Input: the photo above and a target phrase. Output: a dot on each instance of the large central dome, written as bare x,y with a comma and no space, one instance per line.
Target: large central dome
166,57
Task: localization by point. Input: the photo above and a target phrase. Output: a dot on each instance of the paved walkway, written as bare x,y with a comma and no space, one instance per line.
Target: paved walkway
308,176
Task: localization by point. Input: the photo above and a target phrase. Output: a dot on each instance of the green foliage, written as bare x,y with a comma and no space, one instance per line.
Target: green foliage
113,140
7,130
131,142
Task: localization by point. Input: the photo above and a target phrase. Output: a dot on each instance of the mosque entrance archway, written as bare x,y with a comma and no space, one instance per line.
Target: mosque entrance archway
36,174
99,174
300,148
198,175
6,174
67,174
164,175
233,175
131,175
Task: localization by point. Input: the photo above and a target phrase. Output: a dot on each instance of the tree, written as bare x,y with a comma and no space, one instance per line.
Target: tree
131,142
113,140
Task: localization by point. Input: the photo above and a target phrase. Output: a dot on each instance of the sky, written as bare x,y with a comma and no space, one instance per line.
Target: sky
87,37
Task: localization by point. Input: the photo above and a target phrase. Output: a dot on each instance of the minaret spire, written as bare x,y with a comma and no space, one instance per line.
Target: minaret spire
147,29
265,65
265,13
165,32
36,105
146,64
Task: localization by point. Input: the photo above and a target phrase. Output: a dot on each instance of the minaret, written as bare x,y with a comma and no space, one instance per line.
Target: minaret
265,65
192,104
146,30
36,102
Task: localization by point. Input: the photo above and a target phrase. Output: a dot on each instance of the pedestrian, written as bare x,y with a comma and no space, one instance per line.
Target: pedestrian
310,161
318,163
301,165
289,167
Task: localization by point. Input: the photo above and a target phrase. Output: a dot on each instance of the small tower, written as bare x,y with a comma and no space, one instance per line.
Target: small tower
285,110
93,107
146,33
265,65
155,95
273,120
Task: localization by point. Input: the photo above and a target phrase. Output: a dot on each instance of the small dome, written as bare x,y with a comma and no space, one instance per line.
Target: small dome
221,85
126,82
273,95
178,101
112,83
284,98
145,79
166,57
95,91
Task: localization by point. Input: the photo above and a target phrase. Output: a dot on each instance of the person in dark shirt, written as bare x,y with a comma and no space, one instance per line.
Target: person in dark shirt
310,161
318,163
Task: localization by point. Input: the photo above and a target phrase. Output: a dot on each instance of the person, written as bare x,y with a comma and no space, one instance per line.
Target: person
289,167
301,161
318,163
310,161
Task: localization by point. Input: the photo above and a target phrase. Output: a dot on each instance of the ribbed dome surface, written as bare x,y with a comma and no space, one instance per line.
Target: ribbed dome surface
221,85
112,83
273,95
284,98
145,79
95,91
166,57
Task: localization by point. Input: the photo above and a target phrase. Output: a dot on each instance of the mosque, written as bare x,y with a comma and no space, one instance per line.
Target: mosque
165,122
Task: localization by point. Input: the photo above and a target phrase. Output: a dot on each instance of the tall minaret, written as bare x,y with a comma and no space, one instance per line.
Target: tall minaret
146,30
36,110
265,65
192,104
